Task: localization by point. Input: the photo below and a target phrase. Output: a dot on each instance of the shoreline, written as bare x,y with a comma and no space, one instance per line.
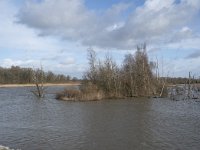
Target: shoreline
32,85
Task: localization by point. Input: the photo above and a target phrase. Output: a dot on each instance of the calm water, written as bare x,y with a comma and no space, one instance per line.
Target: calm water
30,124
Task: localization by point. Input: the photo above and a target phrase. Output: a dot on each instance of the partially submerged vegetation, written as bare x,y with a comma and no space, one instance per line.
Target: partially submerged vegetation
105,79
85,93
17,76
38,78
189,90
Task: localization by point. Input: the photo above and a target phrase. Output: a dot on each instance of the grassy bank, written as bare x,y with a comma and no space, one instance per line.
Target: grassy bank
45,84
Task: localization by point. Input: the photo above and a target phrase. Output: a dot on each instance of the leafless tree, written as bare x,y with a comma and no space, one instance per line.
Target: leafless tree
134,78
38,78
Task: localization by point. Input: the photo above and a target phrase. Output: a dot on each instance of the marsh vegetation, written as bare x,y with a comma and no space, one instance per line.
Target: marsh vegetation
105,79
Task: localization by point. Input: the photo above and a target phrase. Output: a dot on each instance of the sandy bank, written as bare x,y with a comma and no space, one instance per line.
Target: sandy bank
45,84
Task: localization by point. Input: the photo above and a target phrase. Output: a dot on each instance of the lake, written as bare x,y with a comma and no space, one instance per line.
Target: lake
28,123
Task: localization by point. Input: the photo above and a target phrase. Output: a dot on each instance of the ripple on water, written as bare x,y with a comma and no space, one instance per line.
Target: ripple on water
32,124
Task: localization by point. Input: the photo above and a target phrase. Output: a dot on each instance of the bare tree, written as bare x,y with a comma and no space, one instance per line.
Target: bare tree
134,78
38,78
92,73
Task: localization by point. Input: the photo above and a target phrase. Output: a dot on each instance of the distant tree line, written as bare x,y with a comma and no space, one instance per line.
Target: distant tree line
181,80
18,75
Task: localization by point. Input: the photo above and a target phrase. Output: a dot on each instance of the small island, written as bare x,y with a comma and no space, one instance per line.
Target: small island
105,79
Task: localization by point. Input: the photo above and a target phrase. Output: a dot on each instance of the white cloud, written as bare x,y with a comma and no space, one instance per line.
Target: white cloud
193,55
67,27
68,61
63,18
157,5
189,44
157,21
115,26
17,36
71,19
181,67
8,62
21,46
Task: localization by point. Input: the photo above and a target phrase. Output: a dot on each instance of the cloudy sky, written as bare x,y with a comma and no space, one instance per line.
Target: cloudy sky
57,33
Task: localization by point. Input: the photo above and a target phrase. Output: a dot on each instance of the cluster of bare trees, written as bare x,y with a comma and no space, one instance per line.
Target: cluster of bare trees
133,78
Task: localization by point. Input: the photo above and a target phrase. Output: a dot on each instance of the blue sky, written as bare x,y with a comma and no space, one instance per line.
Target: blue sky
57,33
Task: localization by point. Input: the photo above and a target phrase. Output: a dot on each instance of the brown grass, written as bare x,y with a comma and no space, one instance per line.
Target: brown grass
86,93
45,84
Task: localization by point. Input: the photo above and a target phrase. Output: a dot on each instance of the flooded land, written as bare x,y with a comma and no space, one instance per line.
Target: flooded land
28,123
99,75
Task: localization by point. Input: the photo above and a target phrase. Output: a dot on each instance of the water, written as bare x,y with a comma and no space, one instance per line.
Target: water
27,123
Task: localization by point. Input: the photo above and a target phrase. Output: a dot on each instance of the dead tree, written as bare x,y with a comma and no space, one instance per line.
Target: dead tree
38,78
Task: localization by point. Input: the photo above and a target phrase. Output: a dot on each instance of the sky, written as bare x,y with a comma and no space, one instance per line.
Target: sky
57,33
